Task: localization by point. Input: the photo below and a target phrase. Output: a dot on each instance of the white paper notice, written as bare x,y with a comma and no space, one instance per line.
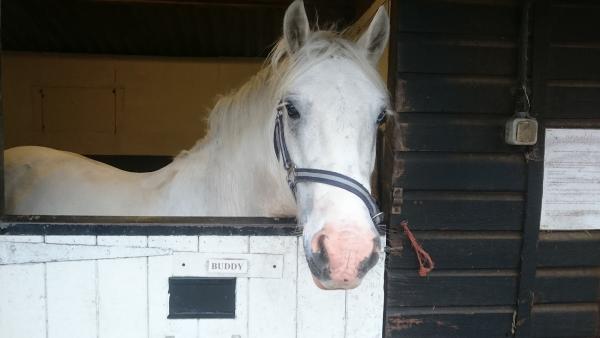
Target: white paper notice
571,199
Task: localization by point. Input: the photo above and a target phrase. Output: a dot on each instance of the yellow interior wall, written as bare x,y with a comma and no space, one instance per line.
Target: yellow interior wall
114,105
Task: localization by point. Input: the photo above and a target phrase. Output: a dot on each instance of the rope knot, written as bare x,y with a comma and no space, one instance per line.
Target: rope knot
425,262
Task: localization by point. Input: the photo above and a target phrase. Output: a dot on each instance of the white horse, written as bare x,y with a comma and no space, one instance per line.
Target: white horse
332,99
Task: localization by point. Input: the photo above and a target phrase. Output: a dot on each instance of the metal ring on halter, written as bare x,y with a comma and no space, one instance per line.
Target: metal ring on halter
376,217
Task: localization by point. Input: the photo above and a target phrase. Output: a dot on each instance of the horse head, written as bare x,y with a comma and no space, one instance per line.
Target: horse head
331,103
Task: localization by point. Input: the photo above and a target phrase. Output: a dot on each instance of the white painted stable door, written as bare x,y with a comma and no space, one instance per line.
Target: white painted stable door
117,286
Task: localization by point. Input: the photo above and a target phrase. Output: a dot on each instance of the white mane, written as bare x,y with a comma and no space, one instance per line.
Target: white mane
232,114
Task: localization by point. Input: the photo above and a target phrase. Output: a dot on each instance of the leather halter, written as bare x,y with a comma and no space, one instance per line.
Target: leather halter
297,175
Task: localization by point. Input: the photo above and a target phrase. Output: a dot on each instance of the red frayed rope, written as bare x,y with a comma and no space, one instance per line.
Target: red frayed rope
425,262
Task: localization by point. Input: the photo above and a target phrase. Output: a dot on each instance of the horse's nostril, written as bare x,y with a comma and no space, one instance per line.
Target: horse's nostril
367,264
321,243
318,261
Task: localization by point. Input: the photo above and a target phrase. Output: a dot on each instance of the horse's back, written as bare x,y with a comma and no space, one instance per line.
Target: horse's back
26,167
23,159
41,180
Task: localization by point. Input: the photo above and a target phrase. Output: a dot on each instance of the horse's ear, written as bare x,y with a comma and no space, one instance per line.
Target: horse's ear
295,26
376,37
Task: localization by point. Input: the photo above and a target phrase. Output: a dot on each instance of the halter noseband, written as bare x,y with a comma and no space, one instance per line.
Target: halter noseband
296,175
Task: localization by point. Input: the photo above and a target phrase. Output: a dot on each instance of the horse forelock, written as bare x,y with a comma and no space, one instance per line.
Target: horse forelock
319,46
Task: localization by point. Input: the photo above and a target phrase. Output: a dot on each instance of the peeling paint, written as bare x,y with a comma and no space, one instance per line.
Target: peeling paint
402,323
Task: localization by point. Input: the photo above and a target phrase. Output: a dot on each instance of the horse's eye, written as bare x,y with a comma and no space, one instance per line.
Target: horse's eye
292,111
382,117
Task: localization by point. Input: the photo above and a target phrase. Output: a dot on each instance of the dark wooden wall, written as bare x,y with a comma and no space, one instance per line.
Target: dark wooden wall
188,28
471,199
566,79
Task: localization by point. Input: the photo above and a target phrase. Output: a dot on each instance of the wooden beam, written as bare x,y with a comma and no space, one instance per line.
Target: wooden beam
232,3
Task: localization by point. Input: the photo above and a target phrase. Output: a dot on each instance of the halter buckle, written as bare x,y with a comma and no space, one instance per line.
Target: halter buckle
280,108
291,177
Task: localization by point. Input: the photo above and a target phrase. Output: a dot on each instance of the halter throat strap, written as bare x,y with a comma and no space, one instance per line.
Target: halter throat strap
297,175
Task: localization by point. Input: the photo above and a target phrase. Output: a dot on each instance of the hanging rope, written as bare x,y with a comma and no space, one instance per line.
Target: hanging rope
425,262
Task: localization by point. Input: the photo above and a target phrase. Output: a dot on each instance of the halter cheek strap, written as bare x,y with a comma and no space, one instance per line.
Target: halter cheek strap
297,175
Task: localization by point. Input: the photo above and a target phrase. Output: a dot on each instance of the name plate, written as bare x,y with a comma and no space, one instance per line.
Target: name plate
227,266
216,264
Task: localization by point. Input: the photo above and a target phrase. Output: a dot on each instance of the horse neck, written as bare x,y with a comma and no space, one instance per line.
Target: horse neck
234,171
